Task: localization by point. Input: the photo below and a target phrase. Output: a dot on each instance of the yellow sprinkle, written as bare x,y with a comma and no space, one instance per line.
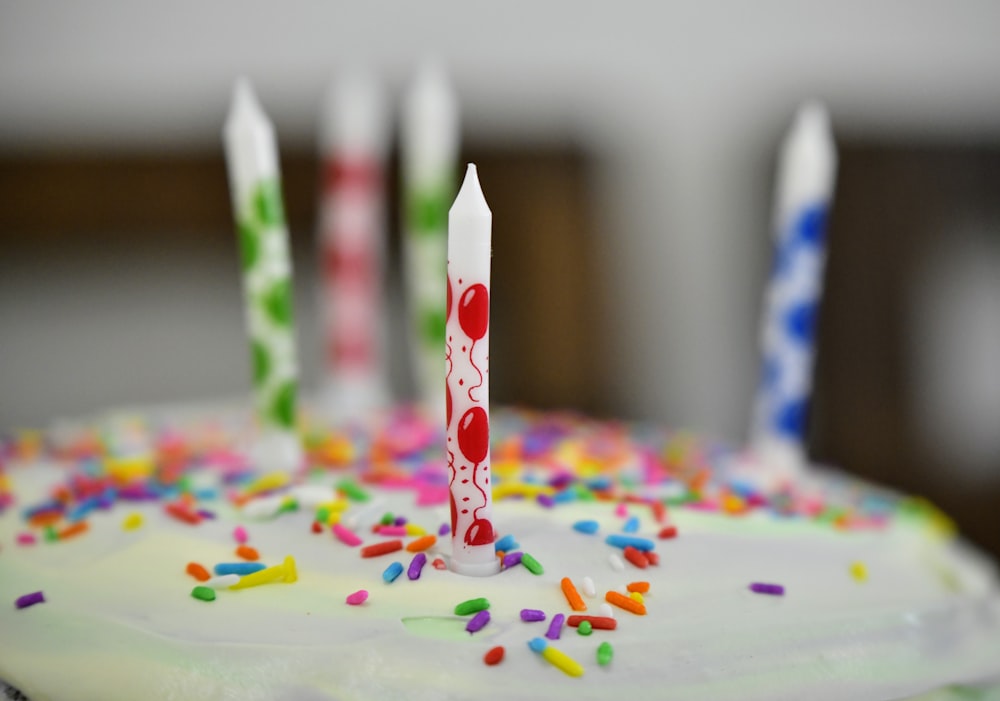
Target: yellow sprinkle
521,489
335,505
132,521
733,504
562,661
333,518
637,597
129,469
505,468
859,571
285,572
414,529
265,483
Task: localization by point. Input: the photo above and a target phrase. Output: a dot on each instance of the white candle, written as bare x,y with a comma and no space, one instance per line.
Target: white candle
354,135
467,354
254,181
806,172
429,151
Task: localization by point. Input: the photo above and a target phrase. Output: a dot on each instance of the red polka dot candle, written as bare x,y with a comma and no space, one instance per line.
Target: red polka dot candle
467,396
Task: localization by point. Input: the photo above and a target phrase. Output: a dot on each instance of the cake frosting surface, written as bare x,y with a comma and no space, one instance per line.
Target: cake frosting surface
871,596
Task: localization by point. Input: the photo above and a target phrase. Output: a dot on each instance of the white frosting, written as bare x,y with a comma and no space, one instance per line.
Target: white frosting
119,622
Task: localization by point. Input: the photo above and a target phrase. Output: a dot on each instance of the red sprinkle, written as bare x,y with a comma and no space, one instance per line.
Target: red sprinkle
383,548
439,564
317,527
72,530
668,532
636,557
596,622
494,656
653,558
198,572
659,511
182,512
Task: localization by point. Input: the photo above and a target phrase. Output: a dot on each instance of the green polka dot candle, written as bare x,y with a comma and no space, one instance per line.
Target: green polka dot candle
254,181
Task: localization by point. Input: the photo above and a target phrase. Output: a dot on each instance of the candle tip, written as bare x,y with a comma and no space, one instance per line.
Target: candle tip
470,200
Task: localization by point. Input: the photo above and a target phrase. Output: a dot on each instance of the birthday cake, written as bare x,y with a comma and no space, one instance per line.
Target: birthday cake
142,558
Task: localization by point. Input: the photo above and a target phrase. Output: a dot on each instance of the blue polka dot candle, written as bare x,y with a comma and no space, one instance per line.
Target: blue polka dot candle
254,182
806,172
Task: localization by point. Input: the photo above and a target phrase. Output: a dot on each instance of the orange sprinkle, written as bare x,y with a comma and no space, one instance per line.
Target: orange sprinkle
181,512
659,511
636,557
624,602
422,543
44,518
383,548
247,553
198,572
572,595
72,530
641,587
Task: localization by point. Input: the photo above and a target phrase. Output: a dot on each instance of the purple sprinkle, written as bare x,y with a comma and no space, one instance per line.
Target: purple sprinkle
555,627
416,566
444,530
477,622
511,559
772,589
399,521
532,615
546,500
206,514
27,600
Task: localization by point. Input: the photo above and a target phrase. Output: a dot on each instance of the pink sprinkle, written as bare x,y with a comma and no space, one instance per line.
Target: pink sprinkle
357,598
346,536
621,510
432,495
391,530
240,534
26,539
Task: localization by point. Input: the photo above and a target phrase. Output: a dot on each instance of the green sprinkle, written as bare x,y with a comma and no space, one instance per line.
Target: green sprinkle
203,593
472,606
352,491
604,653
533,565
322,514
51,535
288,505
387,519
585,628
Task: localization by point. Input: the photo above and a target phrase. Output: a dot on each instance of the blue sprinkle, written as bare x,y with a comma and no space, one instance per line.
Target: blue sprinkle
588,527
564,496
240,568
632,525
621,541
599,484
392,571
507,543
537,644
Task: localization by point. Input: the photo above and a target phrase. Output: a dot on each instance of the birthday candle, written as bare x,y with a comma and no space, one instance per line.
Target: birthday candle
467,390
429,149
352,220
806,174
254,181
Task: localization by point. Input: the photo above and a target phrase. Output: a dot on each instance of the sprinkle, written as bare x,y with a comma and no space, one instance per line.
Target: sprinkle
572,595
531,564
413,529
439,564
584,628
240,568
391,572
198,572
621,510
316,527
494,656
422,543
247,553
72,530
641,587
507,543
667,532
181,512
546,500
390,530
620,540
595,622
512,559
240,535
132,521
605,610
659,511
357,598
383,548
444,529
416,566
352,490
346,536
588,527
223,582
555,627
631,525
636,557
285,572
25,538
637,597
532,615
652,558
616,563
604,653
556,658
589,590
859,571
771,589
268,483
26,600
478,622
624,602
387,519
203,593
472,606
263,507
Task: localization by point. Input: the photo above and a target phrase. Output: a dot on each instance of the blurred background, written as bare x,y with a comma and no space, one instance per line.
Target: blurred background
628,153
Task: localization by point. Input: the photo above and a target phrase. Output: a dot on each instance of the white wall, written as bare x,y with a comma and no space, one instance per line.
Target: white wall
681,102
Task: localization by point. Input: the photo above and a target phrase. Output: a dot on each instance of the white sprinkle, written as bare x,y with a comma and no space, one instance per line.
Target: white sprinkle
264,507
310,496
616,563
588,587
223,581
606,610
